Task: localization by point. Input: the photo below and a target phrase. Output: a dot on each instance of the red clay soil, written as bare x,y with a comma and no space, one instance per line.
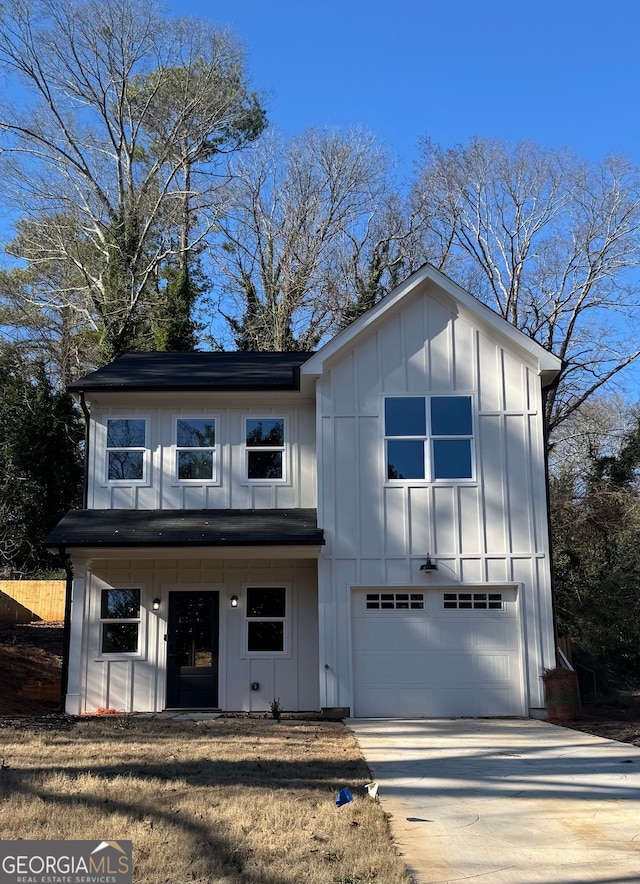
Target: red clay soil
30,665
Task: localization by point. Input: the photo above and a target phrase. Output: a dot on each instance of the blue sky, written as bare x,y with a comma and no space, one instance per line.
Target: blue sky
563,73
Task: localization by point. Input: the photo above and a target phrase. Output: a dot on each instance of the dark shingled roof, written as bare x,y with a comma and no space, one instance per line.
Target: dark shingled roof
196,371
127,528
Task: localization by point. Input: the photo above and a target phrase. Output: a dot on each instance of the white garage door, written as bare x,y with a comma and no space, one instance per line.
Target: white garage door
436,653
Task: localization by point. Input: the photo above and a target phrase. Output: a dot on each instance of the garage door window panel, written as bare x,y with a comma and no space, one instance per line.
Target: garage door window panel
394,601
473,601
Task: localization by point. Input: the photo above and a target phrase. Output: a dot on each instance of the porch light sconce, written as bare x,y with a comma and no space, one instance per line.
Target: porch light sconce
155,604
234,601
428,565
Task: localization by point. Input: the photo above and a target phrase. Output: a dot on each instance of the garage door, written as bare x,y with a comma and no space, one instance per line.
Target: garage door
436,653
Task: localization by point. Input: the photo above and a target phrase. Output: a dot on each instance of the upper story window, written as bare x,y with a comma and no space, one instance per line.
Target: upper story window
196,449
126,448
428,437
265,448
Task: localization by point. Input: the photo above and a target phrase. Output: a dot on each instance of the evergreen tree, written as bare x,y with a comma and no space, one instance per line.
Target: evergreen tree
40,464
595,525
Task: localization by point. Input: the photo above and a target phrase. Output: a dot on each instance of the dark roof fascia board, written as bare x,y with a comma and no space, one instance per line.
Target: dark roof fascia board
157,544
181,388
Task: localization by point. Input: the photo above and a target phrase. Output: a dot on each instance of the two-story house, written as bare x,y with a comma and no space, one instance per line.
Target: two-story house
361,527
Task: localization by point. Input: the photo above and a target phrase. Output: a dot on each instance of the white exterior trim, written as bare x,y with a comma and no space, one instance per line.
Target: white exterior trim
547,362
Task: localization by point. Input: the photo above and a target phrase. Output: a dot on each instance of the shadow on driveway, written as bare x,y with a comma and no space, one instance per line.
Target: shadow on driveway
506,801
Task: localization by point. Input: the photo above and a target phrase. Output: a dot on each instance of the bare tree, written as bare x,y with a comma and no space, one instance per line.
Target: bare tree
88,145
551,242
44,306
595,430
314,231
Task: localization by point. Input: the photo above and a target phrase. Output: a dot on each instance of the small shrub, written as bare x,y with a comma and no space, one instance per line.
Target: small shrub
276,709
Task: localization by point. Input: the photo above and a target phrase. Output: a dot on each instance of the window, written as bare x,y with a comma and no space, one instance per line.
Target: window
126,447
266,616
264,438
484,601
428,437
395,601
195,449
120,621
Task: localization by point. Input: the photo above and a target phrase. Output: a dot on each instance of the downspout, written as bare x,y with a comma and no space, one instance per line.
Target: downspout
66,561
87,437
545,437
66,635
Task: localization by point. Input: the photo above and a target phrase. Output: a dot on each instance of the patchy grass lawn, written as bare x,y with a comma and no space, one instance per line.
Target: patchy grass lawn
233,801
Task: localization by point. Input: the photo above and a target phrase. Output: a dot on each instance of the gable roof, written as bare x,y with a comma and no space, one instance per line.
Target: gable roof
163,528
548,364
196,371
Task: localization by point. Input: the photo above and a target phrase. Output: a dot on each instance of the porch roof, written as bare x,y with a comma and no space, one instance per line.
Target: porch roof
236,371
186,528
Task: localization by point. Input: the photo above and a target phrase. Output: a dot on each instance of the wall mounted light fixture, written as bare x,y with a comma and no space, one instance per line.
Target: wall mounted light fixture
428,565
234,601
155,604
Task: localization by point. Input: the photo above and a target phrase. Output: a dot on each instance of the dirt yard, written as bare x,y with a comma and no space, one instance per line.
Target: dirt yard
31,658
30,664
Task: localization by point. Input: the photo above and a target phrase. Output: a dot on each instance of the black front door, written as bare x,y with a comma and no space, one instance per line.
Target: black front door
192,650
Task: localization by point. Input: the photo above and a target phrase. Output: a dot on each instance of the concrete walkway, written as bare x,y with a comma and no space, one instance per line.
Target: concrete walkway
503,801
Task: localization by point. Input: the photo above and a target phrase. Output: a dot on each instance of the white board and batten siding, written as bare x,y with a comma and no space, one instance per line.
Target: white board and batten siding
230,489
137,682
491,530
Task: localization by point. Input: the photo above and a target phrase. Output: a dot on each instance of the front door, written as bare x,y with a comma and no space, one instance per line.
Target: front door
192,650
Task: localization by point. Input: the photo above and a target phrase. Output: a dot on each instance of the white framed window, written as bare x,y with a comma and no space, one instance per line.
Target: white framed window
195,447
127,449
428,438
473,601
266,625
265,449
120,621
394,601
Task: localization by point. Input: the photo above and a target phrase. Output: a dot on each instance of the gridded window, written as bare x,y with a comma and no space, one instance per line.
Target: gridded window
451,434
126,447
395,601
265,442
484,601
406,430
266,617
120,621
195,449
428,437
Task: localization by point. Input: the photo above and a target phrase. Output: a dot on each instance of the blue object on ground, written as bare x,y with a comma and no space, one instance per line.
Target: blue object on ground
344,797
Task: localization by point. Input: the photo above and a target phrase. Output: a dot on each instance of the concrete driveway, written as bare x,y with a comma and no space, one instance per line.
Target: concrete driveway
504,801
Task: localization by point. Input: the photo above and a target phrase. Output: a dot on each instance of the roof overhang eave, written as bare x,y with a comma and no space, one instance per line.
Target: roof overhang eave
189,551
